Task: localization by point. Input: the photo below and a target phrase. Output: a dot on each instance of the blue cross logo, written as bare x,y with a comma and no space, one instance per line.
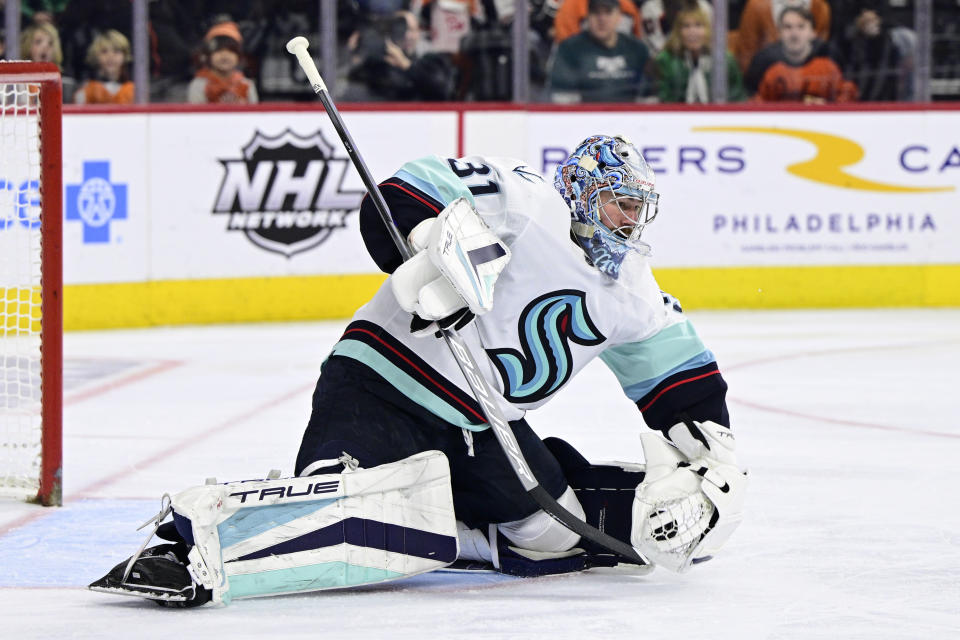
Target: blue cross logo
96,201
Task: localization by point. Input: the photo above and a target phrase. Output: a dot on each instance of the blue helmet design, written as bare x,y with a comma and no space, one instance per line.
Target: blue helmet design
609,188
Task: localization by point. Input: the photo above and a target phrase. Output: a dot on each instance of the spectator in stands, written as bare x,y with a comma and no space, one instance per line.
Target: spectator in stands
872,59
448,22
41,43
572,13
600,64
41,11
486,52
387,63
659,16
82,21
759,25
797,68
220,80
685,64
109,57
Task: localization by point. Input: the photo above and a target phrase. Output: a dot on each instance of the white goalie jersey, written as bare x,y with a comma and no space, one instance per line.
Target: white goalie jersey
552,311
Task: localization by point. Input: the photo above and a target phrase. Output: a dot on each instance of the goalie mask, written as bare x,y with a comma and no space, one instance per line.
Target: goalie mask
609,188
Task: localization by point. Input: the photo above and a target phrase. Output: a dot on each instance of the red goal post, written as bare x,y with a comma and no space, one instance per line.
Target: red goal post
31,213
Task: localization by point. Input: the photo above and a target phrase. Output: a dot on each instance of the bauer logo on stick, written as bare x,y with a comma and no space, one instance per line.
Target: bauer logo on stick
285,192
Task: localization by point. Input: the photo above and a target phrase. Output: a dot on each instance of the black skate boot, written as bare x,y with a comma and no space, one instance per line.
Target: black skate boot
159,574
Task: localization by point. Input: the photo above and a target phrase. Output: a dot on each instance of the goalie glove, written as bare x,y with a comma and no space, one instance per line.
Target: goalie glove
451,278
691,497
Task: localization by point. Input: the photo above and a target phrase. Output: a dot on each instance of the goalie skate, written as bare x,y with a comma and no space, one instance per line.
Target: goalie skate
160,574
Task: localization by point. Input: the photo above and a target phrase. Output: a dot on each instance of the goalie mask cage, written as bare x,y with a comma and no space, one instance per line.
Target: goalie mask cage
30,282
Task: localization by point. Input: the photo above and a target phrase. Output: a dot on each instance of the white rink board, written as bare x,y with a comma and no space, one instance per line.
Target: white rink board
728,198
120,140
212,248
173,166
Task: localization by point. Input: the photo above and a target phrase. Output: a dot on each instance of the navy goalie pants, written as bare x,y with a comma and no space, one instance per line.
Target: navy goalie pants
358,412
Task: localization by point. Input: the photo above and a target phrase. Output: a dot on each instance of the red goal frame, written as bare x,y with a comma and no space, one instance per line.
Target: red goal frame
47,76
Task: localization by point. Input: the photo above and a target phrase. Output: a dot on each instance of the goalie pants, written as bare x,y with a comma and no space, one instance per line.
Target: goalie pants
358,412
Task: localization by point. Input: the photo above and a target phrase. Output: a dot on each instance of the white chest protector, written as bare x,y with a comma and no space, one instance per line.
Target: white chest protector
552,311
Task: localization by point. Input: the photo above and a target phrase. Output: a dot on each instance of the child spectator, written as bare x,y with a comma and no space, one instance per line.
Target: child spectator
109,56
40,42
685,64
659,16
759,21
220,81
797,68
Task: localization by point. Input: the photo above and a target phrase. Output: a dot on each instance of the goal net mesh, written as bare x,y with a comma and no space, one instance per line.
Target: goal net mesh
20,294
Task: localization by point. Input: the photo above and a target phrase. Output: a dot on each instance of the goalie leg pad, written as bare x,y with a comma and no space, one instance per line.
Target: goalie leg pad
293,535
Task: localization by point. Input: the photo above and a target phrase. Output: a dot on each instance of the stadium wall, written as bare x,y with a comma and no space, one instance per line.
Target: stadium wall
187,215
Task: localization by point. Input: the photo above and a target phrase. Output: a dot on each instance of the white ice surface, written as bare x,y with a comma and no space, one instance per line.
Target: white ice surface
849,422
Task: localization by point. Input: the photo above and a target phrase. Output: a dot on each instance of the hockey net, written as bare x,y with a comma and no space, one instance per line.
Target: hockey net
30,282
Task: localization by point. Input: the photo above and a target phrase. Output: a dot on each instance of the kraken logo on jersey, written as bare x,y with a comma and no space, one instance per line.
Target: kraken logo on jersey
546,326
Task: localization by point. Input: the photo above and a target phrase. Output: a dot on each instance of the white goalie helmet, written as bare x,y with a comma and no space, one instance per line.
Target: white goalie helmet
609,188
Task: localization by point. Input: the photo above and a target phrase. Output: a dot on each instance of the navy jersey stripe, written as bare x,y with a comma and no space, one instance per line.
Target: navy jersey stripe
699,392
408,206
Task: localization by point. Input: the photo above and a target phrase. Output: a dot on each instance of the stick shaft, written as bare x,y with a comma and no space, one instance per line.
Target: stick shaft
364,172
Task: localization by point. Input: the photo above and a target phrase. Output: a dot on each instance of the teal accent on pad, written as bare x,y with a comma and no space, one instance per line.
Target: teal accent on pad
326,575
247,523
404,383
433,176
639,365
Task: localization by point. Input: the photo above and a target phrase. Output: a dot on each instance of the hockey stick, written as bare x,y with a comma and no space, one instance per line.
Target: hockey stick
481,390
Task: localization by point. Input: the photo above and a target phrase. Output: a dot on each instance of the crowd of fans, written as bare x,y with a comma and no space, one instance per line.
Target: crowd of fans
231,51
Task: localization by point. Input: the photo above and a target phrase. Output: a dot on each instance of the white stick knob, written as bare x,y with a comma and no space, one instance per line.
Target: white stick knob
298,47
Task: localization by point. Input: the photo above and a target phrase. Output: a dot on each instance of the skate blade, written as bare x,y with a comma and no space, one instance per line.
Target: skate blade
121,590
468,566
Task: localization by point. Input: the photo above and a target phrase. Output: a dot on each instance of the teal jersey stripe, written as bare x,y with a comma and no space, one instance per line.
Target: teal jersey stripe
406,384
326,575
247,523
641,365
639,390
433,176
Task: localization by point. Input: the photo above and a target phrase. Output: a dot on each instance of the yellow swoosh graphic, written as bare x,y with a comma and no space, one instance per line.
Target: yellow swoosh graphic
833,153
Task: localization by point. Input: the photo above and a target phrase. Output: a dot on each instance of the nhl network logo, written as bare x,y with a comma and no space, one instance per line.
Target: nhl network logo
286,193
